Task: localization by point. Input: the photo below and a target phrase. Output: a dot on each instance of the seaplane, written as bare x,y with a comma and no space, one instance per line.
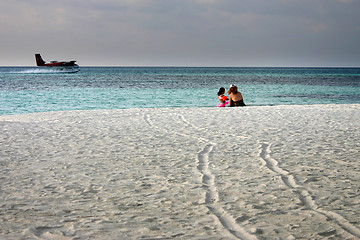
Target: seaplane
55,66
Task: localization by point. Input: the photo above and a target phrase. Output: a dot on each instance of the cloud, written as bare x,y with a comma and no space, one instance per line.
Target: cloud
181,32
345,1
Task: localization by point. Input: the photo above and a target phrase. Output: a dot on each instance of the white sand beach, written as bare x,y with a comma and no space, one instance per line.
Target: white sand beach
269,172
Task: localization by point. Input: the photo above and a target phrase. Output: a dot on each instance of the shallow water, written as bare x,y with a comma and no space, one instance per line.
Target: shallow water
27,90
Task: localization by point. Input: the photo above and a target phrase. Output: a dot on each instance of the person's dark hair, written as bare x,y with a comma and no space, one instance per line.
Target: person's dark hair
221,91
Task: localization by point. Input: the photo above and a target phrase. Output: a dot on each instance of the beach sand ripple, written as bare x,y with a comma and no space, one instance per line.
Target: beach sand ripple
271,172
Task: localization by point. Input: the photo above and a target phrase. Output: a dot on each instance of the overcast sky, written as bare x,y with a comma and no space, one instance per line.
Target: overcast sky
181,32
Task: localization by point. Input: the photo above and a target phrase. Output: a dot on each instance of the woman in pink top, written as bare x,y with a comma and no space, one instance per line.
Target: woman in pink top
222,98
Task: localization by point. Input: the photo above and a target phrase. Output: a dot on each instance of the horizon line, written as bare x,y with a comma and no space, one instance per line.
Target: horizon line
174,66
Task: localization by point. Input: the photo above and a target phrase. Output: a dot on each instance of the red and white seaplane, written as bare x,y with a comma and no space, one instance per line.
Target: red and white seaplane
67,67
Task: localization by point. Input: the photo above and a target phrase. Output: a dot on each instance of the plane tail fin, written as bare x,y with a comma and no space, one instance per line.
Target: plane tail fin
39,60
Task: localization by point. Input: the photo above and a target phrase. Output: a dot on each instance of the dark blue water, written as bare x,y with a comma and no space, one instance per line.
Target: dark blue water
26,90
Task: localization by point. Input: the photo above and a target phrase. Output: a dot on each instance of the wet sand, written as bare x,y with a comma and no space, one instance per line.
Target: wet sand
271,172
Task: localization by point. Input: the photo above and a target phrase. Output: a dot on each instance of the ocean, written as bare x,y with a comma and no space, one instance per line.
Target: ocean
28,89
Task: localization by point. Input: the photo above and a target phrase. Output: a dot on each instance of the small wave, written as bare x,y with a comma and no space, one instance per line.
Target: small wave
344,97
40,71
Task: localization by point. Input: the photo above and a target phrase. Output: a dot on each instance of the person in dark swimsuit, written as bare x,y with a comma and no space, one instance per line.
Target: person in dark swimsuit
239,103
235,97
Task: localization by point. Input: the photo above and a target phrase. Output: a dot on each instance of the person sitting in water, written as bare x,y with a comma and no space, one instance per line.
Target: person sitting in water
222,98
235,97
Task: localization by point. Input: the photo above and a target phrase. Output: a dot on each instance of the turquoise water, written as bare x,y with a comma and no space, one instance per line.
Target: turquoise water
27,90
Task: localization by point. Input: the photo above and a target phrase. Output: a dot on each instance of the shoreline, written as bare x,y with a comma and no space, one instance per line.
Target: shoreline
205,107
284,171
